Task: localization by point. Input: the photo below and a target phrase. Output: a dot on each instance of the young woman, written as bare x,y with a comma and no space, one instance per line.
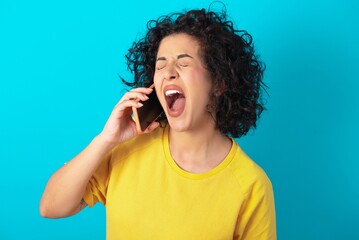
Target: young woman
184,177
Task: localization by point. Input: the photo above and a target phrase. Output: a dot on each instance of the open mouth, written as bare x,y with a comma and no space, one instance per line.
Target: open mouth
175,100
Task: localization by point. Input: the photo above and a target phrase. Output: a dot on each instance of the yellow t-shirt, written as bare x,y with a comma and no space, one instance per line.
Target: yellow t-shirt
148,196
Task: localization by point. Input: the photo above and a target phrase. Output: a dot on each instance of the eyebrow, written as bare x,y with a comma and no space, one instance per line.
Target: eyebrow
178,57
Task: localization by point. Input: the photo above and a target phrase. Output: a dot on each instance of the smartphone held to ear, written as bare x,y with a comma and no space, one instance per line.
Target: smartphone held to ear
148,113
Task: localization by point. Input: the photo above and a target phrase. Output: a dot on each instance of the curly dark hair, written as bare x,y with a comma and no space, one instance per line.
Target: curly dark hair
228,54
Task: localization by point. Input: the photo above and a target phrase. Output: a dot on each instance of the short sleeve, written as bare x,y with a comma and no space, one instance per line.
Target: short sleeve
96,189
257,219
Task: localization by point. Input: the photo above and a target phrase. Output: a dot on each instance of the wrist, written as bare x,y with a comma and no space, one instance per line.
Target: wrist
104,142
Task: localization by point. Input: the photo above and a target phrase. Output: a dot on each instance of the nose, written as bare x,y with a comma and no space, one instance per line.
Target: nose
171,73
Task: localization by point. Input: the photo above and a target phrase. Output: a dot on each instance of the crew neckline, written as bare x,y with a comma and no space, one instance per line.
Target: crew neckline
196,176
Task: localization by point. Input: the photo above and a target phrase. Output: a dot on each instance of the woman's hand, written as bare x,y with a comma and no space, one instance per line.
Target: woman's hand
120,126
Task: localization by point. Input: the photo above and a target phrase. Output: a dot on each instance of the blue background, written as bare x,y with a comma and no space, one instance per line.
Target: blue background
59,67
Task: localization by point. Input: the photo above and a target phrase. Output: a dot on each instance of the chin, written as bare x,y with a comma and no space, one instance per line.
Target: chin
177,125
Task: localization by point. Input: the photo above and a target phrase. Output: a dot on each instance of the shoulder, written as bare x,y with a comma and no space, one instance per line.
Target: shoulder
249,175
257,212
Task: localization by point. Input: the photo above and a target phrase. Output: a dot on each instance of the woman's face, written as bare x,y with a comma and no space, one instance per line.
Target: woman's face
182,83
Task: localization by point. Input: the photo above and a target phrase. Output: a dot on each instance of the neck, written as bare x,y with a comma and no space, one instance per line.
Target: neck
199,150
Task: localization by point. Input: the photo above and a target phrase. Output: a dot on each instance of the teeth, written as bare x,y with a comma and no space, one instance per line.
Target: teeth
171,92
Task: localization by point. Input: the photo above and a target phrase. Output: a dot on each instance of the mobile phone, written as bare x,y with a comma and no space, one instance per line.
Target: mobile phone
148,113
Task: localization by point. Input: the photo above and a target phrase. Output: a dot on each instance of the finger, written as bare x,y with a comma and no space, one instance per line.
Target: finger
137,93
134,96
127,104
152,127
142,90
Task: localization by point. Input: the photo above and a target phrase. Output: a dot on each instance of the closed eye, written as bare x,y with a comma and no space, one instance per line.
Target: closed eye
160,66
160,63
183,64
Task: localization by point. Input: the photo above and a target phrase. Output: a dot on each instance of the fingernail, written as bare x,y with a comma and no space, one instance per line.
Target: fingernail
139,104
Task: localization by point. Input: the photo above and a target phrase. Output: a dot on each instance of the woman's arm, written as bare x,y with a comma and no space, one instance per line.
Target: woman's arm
64,191
62,196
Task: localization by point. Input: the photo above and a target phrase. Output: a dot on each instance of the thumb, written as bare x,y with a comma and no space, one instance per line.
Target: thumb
152,127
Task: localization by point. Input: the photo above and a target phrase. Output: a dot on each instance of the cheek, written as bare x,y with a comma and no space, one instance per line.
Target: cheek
158,86
157,80
200,87
202,79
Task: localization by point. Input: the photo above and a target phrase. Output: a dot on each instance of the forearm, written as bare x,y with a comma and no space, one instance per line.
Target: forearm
64,191
66,187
